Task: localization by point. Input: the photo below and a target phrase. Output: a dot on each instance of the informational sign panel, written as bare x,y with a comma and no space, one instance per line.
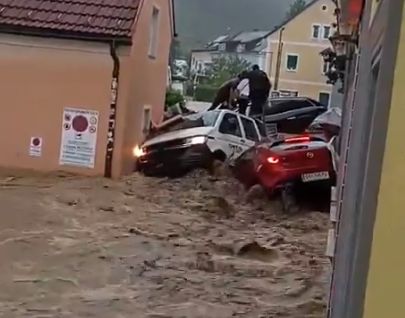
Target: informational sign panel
79,137
283,93
36,147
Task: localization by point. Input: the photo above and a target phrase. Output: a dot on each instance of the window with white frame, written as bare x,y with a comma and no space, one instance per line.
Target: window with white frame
316,31
292,62
326,32
221,47
147,117
154,29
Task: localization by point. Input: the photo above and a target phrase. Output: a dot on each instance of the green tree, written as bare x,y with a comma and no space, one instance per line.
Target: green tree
226,67
295,9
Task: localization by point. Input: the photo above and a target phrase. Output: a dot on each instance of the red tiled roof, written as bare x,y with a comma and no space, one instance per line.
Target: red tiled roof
90,17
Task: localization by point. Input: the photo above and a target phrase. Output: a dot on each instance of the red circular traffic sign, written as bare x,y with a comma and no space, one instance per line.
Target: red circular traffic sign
80,123
36,142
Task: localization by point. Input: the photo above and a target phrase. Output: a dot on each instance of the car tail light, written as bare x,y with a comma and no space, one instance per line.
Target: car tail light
273,160
298,139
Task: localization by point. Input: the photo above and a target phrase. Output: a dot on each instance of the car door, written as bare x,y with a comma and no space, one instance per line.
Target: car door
230,135
296,121
244,168
250,130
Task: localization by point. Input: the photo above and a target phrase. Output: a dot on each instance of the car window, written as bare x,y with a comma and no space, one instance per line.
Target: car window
296,123
230,125
281,106
207,119
250,129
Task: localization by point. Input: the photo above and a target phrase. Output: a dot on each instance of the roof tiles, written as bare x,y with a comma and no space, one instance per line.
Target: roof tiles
90,17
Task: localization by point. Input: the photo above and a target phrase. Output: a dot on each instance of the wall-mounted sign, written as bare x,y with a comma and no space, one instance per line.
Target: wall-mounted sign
79,137
36,147
284,93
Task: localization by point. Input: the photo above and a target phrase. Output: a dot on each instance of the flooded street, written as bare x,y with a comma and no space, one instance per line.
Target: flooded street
142,247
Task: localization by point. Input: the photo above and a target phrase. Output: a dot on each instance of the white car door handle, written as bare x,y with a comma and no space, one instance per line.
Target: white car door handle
291,118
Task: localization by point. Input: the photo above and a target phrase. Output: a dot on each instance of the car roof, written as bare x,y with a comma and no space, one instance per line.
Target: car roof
290,98
228,111
286,99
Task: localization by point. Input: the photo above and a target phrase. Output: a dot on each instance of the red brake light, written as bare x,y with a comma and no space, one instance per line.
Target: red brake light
272,160
298,139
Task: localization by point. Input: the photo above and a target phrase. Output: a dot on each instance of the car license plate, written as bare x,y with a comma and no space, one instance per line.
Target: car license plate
316,176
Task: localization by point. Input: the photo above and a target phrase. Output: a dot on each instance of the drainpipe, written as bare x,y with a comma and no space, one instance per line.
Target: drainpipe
279,58
113,111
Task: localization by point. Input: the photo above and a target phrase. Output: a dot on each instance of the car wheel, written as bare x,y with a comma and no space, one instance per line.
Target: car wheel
216,163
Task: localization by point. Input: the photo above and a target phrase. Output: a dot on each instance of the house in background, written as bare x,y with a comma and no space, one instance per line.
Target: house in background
295,65
62,60
250,46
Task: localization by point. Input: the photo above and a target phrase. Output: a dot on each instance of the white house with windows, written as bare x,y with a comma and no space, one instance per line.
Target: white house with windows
250,46
295,64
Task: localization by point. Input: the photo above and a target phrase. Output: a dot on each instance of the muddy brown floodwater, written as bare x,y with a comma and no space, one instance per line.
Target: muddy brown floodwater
140,247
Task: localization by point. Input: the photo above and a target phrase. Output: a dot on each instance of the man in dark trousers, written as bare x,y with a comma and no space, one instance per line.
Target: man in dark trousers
259,89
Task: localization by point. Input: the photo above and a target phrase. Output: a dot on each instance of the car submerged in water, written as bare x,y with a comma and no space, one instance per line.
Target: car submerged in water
290,115
198,141
286,166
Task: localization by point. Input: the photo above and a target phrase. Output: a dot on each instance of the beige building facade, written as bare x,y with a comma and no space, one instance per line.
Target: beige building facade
296,65
113,78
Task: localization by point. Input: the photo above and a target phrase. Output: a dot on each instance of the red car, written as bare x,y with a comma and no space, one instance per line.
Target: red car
288,162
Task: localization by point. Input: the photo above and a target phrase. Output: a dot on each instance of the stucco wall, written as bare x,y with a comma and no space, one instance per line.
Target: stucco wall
38,78
308,79
142,81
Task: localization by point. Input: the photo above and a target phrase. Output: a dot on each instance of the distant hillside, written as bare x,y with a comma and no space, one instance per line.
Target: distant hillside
199,21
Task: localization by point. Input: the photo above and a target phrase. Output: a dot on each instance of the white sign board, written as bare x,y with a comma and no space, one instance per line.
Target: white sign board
79,137
36,147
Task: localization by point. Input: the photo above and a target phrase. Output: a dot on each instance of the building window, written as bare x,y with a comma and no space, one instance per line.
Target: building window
240,48
316,31
292,62
147,117
154,29
221,47
325,67
326,32
324,98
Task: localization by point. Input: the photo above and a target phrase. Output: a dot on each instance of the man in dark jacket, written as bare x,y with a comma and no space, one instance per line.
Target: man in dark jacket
259,89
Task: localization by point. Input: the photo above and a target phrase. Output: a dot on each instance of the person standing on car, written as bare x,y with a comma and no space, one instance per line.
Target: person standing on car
243,91
224,93
260,87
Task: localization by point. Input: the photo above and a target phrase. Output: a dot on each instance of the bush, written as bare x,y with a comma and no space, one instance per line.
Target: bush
205,93
173,97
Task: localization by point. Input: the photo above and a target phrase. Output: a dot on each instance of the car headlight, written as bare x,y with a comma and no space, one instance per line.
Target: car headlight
138,151
198,140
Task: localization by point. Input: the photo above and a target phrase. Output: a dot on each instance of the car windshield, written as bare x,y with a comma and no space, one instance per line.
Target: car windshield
204,119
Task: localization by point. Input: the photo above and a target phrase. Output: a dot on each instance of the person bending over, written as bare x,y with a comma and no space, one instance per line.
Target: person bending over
224,93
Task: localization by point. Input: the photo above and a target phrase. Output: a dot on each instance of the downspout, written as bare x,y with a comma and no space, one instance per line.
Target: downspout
174,19
174,35
113,111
